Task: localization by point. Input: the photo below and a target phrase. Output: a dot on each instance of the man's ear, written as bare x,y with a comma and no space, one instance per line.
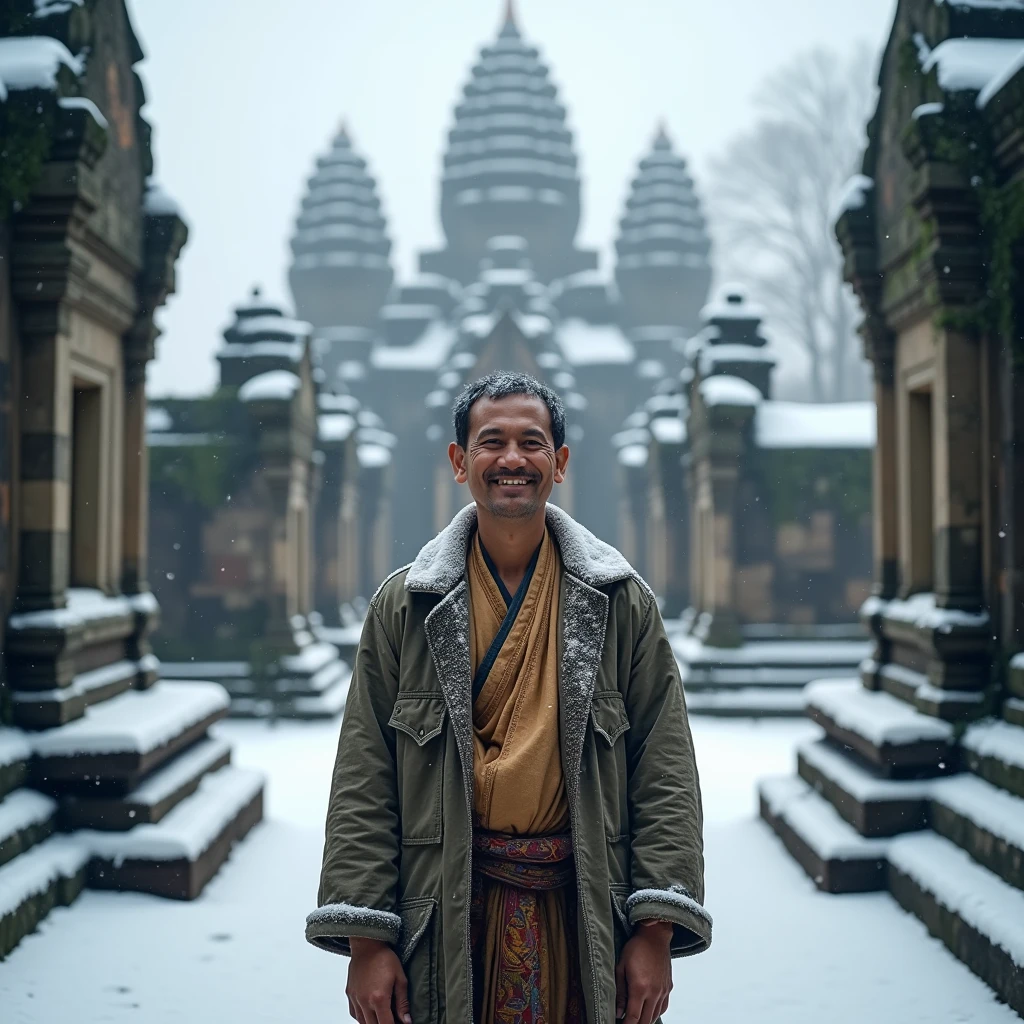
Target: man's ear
457,456
561,462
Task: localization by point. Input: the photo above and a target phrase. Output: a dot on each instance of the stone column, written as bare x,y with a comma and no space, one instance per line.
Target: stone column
958,452
135,514
723,629
45,471
885,480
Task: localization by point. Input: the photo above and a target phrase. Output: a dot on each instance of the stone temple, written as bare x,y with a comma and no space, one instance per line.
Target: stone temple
509,289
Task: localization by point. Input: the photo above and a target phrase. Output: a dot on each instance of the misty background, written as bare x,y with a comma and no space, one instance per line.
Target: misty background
246,94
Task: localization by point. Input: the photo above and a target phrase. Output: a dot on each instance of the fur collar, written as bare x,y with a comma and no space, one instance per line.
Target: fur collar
441,564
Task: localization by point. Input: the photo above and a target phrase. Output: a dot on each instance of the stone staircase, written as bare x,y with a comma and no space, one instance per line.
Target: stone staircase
762,678
894,797
108,777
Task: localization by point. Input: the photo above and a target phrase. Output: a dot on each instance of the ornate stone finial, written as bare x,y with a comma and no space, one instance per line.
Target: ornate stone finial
343,135
510,26
661,137
256,292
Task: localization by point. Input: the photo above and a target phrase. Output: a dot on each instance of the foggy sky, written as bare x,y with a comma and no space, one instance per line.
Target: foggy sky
244,94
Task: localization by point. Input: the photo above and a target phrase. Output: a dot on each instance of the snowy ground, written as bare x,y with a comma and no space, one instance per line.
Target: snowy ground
783,953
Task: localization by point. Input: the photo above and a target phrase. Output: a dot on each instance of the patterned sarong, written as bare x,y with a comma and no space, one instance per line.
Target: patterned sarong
524,902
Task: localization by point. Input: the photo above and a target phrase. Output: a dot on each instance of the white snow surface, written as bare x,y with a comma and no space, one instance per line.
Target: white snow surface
83,683
805,956
188,830
921,611
137,721
1017,661
668,429
291,350
44,8
157,419
852,196
812,425
158,202
972,64
83,103
633,455
184,767
33,872
986,5
311,658
998,740
427,352
32,62
275,385
22,808
270,324
878,717
586,344
373,456
999,82
84,605
927,110
724,389
959,883
335,426
14,746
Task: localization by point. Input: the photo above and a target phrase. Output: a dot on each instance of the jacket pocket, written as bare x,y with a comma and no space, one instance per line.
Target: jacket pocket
620,923
608,713
418,720
417,949
610,721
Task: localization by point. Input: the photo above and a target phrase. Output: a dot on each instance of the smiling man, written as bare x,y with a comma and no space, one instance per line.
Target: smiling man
514,830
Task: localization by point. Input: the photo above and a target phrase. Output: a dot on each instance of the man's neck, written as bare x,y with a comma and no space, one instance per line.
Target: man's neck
510,543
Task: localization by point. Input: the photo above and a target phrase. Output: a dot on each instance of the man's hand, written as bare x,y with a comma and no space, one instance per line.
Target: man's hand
643,977
377,984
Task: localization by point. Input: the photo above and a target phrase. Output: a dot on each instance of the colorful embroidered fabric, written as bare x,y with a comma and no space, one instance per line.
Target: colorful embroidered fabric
524,888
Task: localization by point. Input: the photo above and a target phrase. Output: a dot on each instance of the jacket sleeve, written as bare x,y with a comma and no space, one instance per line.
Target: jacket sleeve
359,878
664,795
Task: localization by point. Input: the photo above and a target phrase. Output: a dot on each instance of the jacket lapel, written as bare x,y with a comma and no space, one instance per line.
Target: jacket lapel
584,623
447,629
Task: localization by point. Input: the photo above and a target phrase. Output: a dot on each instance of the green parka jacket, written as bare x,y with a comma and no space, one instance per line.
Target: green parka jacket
398,849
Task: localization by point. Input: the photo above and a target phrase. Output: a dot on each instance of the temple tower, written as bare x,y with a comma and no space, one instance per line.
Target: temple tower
341,269
663,269
510,167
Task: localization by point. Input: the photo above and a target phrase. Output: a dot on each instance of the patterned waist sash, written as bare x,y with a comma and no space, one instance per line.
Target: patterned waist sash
524,862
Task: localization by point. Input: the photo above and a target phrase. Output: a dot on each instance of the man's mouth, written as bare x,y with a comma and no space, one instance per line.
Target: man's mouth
512,481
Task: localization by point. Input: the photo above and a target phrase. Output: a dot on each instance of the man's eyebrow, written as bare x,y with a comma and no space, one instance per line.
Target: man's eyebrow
489,432
535,432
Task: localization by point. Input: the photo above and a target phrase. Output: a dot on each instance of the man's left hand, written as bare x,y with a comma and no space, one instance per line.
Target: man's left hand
643,977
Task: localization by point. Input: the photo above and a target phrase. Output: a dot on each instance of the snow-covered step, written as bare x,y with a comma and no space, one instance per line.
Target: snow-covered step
888,733
46,709
32,884
179,855
995,751
1013,711
117,743
828,848
325,677
873,805
26,818
154,797
976,914
15,751
309,660
745,702
985,821
328,704
710,677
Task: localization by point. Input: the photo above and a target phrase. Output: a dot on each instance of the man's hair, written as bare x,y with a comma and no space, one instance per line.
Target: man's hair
503,385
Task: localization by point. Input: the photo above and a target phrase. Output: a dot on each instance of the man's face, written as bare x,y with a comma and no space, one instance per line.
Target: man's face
510,462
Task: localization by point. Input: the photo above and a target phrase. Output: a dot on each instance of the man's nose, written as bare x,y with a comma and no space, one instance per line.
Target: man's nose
512,458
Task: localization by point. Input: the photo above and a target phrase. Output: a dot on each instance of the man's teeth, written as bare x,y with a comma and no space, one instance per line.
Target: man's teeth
512,481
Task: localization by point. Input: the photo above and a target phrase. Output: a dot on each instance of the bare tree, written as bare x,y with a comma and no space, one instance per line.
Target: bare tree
772,195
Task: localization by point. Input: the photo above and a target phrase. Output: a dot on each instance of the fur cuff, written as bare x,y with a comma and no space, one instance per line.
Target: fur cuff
331,926
674,904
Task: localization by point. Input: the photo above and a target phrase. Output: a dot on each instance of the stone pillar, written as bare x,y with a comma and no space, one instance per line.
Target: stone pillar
722,629
885,480
958,452
45,470
135,514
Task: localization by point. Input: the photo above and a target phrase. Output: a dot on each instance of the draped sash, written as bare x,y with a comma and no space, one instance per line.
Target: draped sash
524,894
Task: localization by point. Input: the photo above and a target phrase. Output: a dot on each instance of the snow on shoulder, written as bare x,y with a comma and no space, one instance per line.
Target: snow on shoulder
273,386
812,425
32,62
724,389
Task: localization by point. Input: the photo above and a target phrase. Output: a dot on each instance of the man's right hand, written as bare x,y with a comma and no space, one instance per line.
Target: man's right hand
377,991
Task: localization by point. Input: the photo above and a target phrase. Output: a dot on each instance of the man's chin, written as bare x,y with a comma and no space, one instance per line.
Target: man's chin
513,508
